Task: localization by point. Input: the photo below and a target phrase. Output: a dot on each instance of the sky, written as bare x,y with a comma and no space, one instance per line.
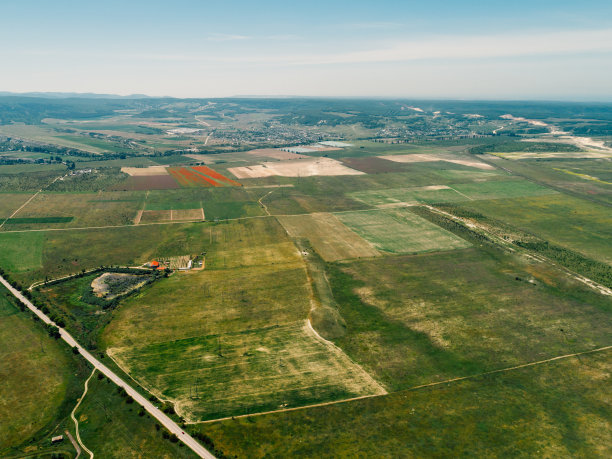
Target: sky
459,49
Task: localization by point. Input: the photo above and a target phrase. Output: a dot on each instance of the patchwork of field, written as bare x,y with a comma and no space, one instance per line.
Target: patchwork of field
456,192
561,219
400,231
28,357
244,345
295,168
329,236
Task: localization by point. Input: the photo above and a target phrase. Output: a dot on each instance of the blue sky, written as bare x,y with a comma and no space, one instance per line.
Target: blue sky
435,49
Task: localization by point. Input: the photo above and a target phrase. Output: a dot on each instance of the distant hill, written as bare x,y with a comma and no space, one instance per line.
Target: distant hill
79,95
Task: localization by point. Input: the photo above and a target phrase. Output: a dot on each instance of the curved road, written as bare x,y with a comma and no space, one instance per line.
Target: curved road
168,423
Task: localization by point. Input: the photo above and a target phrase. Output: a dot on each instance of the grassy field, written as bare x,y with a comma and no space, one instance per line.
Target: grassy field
329,237
400,231
221,341
28,356
574,223
85,209
10,202
417,319
112,428
454,192
561,409
21,252
561,174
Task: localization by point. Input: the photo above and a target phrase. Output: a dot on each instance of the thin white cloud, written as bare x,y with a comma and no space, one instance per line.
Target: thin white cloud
474,47
432,48
371,25
227,37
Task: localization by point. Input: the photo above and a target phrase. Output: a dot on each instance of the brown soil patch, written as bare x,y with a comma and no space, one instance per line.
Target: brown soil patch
140,183
372,165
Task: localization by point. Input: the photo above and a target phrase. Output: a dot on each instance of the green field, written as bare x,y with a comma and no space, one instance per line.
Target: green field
418,319
400,231
575,223
21,252
29,359
561,409
455,192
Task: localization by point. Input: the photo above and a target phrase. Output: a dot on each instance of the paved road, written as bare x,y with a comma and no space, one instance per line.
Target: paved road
146,404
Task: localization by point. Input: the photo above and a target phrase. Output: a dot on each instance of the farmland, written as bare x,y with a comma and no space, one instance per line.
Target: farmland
221,332
330,238
400,231
328,278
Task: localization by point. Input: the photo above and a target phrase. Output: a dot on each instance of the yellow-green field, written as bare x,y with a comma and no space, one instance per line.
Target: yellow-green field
400,231
234,338
329,236
452,192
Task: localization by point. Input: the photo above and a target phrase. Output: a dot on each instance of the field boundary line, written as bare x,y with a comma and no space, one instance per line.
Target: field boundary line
459,192
76,423
338,350
422,386
260,201
516,367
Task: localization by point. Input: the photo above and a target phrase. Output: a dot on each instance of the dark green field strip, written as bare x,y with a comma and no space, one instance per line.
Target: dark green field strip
41,220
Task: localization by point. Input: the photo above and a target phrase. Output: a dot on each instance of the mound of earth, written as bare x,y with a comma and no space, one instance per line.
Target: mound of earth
112,285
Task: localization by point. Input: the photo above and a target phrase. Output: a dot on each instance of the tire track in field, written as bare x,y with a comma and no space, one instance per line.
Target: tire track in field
76,423
30,200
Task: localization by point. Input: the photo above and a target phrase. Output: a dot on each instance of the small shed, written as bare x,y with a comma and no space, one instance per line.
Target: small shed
154,264
57,438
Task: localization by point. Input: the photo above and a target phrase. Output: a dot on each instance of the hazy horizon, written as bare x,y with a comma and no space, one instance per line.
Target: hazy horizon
459,50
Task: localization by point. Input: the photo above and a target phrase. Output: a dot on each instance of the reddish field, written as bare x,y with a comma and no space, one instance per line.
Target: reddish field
214,174
372,165
152,182
187,177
